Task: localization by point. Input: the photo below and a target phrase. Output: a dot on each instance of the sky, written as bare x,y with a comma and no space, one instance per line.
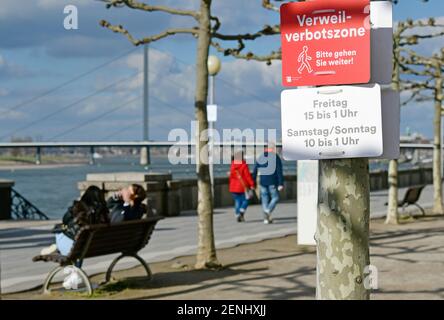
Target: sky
86,84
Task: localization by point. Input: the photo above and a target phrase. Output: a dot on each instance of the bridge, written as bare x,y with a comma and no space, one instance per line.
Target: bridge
91,145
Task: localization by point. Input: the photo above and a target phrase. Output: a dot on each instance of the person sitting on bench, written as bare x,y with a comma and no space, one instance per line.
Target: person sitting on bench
126,204
90,209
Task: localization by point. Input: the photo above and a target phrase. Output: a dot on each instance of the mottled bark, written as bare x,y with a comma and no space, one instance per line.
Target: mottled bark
392,212
437,143
206,253
392,208
343,229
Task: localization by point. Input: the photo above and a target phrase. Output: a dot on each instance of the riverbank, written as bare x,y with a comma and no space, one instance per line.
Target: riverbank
10,162
409,258
23,166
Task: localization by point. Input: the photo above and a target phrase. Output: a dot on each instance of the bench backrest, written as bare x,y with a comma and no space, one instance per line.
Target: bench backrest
412,194
123,237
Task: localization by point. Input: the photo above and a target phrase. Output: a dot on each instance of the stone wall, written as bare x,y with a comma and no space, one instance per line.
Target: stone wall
5,199
170,197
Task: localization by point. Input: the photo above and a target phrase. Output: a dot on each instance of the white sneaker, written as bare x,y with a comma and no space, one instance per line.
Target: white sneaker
267,219
73,280
48,250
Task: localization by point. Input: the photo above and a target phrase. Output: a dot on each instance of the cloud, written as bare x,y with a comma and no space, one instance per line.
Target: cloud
11,70
3,92
428,46
418,117
5,114
51,4
78,46
242,16
169,80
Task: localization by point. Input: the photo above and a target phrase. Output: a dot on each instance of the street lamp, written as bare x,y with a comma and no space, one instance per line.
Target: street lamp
442,153
214,65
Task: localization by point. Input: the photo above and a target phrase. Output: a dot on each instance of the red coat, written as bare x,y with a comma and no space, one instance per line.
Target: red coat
239,172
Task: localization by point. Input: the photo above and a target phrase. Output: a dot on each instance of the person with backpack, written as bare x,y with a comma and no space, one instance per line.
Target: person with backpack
241,185
269,169
90,209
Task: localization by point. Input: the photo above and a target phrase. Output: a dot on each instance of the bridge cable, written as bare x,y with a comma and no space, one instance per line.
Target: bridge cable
64,84
69,106
102,115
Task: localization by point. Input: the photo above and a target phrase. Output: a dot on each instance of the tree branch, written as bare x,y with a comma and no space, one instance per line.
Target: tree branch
217,24
265,31
137,42
236,52
146,7
269,6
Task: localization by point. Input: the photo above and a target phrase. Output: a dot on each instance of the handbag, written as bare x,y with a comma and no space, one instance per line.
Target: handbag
58,228
248,192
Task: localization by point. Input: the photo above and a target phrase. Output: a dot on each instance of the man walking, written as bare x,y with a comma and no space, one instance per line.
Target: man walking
269,168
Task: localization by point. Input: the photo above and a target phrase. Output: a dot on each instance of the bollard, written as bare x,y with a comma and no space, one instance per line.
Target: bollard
38,156
145,156
91,156
5,199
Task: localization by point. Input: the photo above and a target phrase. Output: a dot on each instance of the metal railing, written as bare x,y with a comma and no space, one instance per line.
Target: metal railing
99,144
22,209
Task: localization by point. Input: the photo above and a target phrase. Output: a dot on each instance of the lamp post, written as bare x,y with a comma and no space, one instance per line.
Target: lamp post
145,152
442,139
214,66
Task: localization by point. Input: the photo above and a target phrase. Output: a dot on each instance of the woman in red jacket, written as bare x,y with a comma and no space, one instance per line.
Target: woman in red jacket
241,183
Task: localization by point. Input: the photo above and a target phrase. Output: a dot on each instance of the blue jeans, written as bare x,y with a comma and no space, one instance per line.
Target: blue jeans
64,243
240,202
269,198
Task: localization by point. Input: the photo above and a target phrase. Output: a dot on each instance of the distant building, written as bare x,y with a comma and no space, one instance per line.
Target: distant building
413,155
415,138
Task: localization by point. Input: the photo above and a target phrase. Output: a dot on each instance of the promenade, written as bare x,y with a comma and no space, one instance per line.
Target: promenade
173,237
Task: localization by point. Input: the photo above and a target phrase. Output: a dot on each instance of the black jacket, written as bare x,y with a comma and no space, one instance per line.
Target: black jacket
269,168
120,212
79,215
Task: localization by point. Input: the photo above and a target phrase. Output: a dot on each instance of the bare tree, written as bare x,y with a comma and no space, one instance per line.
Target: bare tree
430,74
407,35
205,31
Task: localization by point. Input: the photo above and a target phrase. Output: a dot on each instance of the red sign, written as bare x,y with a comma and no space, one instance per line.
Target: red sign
325,42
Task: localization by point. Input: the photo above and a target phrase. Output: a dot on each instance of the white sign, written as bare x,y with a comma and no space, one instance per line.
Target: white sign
212,113
331,122
308,171
391,110
308,174
381,13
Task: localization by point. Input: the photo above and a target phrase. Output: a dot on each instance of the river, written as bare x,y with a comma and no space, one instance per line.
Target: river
53,189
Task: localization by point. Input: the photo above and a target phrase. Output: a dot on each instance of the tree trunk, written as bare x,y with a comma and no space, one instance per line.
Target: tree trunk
392,212
437,144
343,229
206,253
392,209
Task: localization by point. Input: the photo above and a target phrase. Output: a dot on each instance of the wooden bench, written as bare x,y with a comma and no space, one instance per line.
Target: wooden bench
126,238
411,197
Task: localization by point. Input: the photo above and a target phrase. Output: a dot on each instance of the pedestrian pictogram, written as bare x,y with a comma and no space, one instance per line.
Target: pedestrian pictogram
304,60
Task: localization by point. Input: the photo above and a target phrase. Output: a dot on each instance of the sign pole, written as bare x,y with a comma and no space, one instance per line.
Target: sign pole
328,43
211,137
